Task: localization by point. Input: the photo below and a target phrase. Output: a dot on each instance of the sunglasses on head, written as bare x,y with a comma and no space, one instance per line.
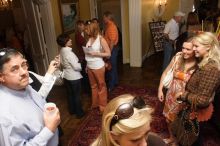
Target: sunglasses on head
3,51
126,110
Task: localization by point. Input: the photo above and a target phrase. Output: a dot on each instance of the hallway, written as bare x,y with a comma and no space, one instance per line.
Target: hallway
148,76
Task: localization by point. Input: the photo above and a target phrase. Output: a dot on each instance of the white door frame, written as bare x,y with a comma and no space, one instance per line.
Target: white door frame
135,35
93,8
41,32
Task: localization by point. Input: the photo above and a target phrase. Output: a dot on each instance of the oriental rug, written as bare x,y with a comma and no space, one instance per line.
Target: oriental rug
90,128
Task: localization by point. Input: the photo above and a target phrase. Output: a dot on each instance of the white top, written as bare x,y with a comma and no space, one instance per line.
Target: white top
21,119
94,62
46,81
172,29
70,64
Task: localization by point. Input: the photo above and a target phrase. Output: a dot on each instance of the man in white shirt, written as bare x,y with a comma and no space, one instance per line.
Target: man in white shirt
171,32
23,121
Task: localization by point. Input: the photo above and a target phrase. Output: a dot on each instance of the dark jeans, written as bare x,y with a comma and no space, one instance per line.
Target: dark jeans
112,75
74,90
168,54
85,80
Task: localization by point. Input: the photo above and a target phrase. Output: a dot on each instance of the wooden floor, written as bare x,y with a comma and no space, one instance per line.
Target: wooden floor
148,76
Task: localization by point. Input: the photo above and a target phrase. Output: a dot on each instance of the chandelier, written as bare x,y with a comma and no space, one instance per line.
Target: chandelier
5,4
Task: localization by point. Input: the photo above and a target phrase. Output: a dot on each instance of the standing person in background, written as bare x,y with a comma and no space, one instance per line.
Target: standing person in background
80,42
171,32
97,50
80,39
192,28
23,120
111,36
184,64
72,77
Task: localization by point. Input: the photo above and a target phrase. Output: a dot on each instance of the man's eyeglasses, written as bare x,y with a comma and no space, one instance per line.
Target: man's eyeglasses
126,110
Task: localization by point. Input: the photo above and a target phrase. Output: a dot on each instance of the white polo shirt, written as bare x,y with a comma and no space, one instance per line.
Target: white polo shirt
172,29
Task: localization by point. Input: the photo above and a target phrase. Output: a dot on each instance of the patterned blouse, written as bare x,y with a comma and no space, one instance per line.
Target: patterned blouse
181,77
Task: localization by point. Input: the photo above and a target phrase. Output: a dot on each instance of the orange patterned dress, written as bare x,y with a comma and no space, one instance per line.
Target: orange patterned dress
172,107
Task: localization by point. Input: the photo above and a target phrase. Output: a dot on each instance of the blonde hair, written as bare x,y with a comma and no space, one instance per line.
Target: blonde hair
209,40
140,118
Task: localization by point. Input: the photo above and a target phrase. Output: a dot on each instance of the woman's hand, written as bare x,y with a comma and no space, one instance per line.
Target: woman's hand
160,95
178,97
93,53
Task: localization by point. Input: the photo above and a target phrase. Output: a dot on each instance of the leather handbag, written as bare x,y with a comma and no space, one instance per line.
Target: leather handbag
185,130
59,77
185,127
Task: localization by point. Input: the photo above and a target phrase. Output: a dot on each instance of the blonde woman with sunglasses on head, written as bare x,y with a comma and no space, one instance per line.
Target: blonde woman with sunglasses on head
126,122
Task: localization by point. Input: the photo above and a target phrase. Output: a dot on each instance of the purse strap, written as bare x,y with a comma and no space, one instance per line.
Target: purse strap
176,57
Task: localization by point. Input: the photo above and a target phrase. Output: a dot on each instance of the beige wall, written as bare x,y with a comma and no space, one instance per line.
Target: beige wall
148,16
171,7
83,13
84,10
126,42
56,16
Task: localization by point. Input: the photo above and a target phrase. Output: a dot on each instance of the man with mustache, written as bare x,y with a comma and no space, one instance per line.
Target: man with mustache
23,120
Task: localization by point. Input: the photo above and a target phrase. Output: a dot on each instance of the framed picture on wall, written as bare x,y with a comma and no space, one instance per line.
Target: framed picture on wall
69,15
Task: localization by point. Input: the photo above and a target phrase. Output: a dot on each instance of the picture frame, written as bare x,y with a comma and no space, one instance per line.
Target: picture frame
69,15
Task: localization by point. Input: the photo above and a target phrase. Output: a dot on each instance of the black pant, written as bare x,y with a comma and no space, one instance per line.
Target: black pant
74,90
85,80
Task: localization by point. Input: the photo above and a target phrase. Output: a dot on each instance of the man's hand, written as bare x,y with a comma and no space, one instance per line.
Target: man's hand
52,120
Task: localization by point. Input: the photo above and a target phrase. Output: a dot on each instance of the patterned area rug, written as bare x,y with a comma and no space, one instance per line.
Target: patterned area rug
90,128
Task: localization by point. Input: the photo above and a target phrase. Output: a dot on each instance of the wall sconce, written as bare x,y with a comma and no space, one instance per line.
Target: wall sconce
160,6
162,3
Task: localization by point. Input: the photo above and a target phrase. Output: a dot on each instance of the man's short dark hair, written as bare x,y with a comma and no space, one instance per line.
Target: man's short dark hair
109,15
6,54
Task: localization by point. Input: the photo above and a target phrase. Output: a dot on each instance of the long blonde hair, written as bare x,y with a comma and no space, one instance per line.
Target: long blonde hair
140,118
210,40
